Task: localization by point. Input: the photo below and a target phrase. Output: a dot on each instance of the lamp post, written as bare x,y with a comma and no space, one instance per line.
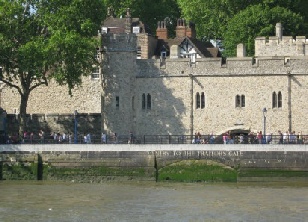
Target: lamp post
75,126
264,124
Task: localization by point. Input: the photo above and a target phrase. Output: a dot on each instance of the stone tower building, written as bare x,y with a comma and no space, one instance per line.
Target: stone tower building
154,85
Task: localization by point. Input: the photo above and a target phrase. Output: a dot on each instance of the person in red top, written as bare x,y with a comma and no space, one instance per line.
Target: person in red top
260,137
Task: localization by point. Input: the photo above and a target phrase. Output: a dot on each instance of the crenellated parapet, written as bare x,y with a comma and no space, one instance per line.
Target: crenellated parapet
119,42
237,66
280,45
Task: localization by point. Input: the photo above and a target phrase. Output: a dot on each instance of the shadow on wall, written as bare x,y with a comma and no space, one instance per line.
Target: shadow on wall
87,123
155,108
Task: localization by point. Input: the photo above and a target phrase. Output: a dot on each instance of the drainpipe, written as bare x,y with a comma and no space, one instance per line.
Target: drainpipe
289,101
191,105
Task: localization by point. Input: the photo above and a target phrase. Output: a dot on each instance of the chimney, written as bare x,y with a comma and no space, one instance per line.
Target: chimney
191,31
162,31
241,50
180,28
128,21
279,31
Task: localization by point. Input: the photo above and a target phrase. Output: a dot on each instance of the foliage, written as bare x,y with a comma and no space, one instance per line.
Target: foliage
218,19
257,20
197,171
149,11
45,39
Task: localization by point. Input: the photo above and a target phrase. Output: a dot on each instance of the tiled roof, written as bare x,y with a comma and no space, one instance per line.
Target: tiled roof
117,25
204,49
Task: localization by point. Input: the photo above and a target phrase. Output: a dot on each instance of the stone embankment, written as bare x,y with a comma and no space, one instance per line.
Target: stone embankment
99,162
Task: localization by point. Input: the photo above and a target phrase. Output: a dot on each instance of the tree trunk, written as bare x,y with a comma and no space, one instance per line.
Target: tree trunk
22,119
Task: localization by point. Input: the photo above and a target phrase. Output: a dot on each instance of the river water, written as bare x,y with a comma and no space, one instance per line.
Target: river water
150,201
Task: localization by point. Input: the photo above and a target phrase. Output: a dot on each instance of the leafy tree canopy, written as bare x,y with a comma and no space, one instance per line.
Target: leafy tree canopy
258,20
149,11
215,19
43,39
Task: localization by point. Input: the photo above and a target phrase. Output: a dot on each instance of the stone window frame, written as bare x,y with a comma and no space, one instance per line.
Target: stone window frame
149,101
200,100
117,102
146,101
240,101
95,73
277,100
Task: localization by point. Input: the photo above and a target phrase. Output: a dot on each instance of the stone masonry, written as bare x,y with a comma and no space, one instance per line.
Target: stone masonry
155,95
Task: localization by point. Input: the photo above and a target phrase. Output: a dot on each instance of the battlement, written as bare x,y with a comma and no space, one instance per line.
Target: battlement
119,42
280,45
276,65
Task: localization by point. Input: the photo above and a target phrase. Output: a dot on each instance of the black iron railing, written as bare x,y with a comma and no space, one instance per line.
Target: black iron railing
165,139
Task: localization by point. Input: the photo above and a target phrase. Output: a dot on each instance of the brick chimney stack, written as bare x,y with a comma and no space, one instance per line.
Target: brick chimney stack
180,28
162,31
128,21
191,31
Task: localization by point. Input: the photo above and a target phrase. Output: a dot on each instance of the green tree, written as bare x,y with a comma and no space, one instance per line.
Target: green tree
149,11
44,39
258,20
213,17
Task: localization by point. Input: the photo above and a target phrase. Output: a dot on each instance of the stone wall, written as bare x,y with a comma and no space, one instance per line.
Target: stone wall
287,46
97,163
173,85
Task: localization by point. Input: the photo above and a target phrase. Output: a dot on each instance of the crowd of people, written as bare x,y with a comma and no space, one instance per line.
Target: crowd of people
287,137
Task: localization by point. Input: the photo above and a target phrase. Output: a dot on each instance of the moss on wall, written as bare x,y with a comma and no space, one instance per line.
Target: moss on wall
197,171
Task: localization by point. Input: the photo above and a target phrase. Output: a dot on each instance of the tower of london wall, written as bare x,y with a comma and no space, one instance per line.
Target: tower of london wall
160,96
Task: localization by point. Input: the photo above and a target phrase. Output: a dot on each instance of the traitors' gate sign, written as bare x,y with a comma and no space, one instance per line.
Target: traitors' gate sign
199,153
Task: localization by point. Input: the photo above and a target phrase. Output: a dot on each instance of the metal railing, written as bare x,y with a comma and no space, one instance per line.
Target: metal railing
165,139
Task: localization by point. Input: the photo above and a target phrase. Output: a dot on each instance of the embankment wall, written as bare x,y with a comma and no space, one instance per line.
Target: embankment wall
99,162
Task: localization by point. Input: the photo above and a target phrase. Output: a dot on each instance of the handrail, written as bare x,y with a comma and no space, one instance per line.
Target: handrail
167,139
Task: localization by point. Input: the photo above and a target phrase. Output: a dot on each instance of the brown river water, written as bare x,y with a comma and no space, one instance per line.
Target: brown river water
150,201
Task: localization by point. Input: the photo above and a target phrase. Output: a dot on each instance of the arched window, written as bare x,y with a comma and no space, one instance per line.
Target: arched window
148,101
237,101
243,101
240,101
279,100
117,102
143,101
202,100
197,100
274,100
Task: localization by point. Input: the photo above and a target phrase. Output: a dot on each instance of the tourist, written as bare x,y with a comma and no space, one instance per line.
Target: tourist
241,139
103,138
85,139
300,138
286,137
259,137
42,136
88,138
70,138
269,138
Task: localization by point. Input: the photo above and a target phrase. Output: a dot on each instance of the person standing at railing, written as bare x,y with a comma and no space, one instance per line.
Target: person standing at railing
42,136
286,137
103,138
269,138
131,137
300,138
88,138
259,137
